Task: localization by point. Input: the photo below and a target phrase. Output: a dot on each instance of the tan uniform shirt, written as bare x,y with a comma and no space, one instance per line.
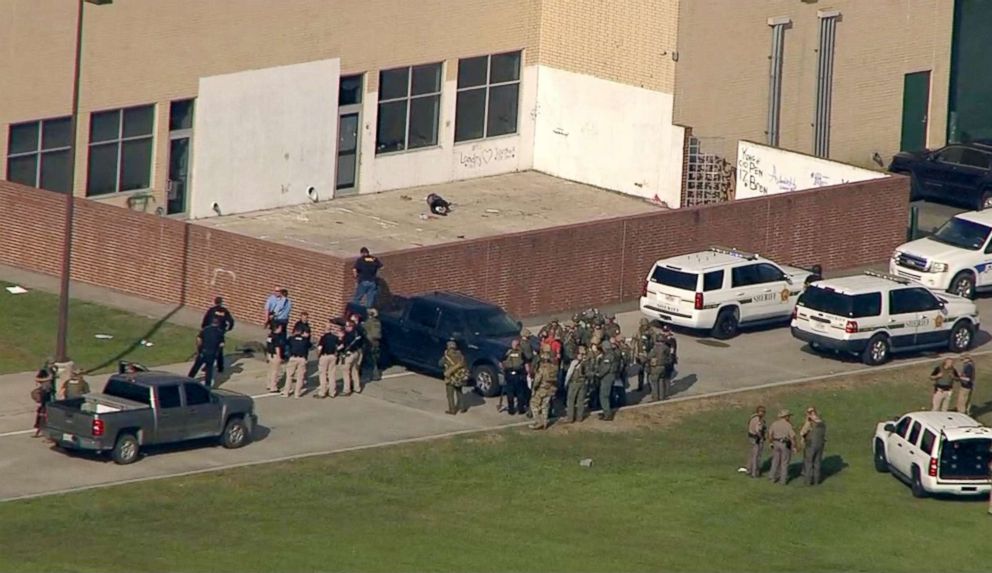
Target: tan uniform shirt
781,429
756,427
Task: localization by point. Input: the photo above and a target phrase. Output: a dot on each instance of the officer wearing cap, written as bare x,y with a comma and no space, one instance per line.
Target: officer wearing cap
219,311
783,444
455,375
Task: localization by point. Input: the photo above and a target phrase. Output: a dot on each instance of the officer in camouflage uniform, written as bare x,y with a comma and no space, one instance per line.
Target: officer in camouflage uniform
530,358
455,376
606,375
640,347
624,351
598,331
577,384
545,382
583,332
611,328
657,361
373,335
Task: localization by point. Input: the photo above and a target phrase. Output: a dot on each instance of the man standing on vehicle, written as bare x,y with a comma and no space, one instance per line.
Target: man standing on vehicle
813,435
943,377
275,353
327,351
218,310
514,367
967,381
208,345
373,334
366,270
783,438
757,431
296,369
455,375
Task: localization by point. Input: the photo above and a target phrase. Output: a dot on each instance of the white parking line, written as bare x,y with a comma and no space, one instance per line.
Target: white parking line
16,433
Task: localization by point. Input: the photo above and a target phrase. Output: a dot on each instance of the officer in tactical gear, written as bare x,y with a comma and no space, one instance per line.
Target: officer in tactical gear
658,360
373,336
606,375
640,347
543,387
576,381
455,376
514,367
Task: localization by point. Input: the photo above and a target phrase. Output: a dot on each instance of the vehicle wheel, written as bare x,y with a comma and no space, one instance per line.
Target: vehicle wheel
963,284
962,335
125,450
917,486
486,380
881,463
726,324
986,201
877,351
235,434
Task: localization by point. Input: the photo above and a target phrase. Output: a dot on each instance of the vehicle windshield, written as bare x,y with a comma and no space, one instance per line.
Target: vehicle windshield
124,389
965,459
675,279
838,304
494,323
961,233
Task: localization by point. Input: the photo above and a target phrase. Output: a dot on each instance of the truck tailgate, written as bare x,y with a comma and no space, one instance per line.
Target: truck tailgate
65,416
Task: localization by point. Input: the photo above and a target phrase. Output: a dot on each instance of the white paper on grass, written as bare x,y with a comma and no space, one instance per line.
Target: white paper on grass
103,336
16,289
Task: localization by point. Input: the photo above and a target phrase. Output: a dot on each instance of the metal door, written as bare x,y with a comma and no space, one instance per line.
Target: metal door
915,111
347,171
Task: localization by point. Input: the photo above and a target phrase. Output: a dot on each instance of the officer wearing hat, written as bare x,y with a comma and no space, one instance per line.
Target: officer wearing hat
455,376
76,386
783,444
220,312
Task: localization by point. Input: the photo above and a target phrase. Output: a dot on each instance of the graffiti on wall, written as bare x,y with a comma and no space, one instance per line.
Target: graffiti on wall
480,155
763,170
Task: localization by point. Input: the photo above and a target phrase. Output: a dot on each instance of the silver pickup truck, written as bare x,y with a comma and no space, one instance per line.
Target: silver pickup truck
147,408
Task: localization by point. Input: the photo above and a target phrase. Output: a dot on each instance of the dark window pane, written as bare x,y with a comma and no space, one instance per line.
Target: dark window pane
23,169
502,110
426,79
105,126
470,113
675,279
504,68
472,72
394,83
136,165
712,281
196,394
55,133
101,173
138,121
168,397
423,121
350,90
181,114
55,171
23,138
391,129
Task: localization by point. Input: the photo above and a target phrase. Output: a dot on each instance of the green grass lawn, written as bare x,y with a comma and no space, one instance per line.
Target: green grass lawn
662,493
28,325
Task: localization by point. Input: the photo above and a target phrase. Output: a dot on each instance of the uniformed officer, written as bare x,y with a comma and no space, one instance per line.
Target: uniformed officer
813,436
757,432
303,324
351,351
967,383
527,344
623,351
515,377
218,310
545,382
275,353
606,374
640,347
669,337
657,364
208,345
296,369
783,443
611,328
576,380
76,386
373,335
327,354
455,375
943,377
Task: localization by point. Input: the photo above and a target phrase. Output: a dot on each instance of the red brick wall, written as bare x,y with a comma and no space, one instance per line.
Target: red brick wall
536,272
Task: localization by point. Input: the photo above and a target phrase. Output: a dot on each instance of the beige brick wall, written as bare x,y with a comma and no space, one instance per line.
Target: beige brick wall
722,82
626,41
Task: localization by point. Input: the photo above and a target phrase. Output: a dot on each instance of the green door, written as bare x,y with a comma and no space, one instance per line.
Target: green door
915,110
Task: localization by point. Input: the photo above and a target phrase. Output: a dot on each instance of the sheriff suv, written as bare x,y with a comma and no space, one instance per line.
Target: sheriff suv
721,289
874,315
935,453
956,258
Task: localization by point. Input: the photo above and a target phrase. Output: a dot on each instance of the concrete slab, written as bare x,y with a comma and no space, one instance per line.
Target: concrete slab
400,219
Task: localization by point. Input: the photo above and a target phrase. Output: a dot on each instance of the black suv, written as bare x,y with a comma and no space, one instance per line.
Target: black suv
958,174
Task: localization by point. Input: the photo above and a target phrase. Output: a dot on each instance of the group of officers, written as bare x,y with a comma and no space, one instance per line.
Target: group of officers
784,442
584,362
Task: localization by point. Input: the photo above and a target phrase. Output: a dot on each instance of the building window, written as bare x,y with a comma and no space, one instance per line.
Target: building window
120,150
409,108
38,153
778,25
824,82
180,143
488,96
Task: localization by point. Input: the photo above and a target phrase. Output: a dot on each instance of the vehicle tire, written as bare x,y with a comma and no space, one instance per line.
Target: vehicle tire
726,324
126,450
916,486
486,379
881,462
877,350
963,284
985,201
235,434
962,336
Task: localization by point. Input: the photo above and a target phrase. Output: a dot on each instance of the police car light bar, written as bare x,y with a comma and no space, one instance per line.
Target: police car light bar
734,253
886,276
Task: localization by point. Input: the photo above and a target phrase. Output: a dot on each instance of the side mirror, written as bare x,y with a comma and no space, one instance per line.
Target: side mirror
889,428
787,279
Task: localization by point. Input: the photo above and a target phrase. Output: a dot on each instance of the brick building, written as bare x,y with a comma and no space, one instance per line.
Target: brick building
195,108
855,81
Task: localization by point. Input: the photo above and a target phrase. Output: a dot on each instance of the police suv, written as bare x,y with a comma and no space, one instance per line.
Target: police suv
956,258
720,289
874,314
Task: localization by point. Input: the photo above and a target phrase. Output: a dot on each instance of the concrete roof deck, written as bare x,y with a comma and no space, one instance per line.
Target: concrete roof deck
396,220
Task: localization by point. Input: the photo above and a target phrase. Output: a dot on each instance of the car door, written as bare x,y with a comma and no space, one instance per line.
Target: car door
746,289
970,175
914,454
905,315
932,327
170,416
203,411
419,334
897,451
936,171
774,292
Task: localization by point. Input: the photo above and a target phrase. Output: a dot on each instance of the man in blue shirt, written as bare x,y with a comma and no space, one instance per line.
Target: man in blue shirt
277,308
366,270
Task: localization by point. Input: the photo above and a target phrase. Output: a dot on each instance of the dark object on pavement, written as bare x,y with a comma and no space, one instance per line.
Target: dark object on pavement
438,205
958,174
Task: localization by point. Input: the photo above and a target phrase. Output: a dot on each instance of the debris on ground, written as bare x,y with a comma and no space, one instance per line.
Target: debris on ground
587,462
16,289
103,336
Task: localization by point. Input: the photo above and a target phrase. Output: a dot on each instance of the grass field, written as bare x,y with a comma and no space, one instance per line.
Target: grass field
662,494
28,326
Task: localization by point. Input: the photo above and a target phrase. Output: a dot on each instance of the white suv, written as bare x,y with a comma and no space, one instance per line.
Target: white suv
935,452
956,258
874,315
719,289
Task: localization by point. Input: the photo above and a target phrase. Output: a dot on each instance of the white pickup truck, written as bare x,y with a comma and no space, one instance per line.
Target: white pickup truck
935,453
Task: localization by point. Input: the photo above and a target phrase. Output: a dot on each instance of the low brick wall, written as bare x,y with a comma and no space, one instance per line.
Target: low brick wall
536,272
